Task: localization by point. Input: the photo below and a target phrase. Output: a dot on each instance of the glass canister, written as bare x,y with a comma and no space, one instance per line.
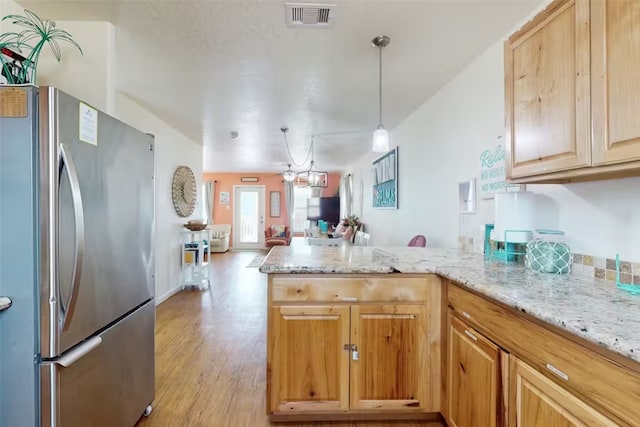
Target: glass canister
548,252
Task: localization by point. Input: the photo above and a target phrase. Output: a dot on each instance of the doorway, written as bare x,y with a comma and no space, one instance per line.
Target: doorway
248,216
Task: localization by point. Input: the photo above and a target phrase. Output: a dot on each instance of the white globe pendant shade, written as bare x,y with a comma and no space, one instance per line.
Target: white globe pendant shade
289,175
381,140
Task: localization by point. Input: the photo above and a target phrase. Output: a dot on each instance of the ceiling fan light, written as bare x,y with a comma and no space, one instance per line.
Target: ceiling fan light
380,140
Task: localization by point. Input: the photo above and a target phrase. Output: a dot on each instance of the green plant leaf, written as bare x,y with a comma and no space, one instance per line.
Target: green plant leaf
38,31
55,48
35,20
22,21
64,36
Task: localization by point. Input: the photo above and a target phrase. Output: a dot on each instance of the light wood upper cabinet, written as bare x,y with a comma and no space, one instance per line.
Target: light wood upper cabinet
474,378
538,401
310,367
547,92
392,368
615,45
571,85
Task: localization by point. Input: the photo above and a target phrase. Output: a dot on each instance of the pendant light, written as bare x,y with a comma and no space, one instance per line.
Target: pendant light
381,135
312,177
289,175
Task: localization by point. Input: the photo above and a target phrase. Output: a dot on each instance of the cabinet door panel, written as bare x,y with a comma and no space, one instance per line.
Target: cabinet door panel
547,92
392,370
538,401
474,378
615,41
310,369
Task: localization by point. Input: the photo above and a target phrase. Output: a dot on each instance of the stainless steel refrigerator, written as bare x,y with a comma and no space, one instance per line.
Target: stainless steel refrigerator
76,261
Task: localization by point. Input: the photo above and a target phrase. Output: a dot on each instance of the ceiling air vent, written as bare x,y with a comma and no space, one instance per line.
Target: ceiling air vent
308,15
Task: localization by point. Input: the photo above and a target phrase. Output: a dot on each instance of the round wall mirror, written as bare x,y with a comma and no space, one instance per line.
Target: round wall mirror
184,191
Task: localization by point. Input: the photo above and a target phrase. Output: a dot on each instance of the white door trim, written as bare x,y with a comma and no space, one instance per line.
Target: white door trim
236,226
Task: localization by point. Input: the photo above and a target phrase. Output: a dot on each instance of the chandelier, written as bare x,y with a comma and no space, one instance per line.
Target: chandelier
311,177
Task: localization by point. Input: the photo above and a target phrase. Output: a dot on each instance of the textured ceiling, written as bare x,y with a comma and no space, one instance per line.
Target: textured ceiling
211,67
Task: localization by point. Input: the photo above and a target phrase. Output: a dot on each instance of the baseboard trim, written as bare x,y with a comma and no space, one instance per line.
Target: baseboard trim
167,295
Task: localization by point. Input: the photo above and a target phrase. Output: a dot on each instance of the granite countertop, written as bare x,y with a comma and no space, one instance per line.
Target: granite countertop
591,308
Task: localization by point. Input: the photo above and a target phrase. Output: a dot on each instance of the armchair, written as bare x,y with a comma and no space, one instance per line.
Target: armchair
220,237
272,237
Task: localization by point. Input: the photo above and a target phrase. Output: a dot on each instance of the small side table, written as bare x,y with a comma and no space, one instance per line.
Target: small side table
196,253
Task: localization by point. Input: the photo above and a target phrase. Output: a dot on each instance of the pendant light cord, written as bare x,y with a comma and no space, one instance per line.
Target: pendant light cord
309,152
380,87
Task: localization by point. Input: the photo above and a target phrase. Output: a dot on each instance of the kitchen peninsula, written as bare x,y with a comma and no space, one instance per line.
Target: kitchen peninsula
420,333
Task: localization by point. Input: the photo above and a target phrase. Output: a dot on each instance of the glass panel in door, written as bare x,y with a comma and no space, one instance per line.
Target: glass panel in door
249,218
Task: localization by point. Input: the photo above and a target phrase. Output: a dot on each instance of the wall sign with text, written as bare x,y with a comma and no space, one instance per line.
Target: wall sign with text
493,172
385,181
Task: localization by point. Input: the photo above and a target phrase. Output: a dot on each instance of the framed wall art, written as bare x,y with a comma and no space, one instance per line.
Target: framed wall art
385,181
274,204
224,197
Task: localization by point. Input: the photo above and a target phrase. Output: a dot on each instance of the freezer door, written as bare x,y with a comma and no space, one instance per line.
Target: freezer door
19,337
106,381
99,204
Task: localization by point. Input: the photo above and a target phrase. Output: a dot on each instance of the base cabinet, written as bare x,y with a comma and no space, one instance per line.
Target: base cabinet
538,401
310,368
337,358
474,378
391,370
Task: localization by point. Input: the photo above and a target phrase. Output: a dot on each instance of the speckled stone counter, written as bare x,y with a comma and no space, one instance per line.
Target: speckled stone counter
590,308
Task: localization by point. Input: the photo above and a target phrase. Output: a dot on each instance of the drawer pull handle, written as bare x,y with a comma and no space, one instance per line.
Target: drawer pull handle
558,372
349,299
470,335
465,314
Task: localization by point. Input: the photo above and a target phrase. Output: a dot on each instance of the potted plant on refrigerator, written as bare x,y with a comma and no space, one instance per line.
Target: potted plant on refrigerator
20,51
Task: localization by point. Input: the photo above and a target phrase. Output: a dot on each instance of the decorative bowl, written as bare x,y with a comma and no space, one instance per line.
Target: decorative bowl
196,226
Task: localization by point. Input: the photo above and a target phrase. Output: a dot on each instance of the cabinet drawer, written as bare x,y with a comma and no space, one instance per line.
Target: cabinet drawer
313,288
612,386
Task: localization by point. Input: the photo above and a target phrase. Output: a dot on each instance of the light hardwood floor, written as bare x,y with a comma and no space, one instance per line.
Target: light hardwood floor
211,353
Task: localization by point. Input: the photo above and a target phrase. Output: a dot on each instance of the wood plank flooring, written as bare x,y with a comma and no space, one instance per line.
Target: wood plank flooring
211,353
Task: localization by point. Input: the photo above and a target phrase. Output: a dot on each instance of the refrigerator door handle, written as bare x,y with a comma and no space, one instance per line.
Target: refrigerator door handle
69,306
72,356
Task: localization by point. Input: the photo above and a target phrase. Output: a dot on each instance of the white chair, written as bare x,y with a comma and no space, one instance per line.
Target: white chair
361,239
220,237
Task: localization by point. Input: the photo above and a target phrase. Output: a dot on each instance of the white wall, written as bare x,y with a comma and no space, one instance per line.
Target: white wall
8,7
172,149
88,76
440,144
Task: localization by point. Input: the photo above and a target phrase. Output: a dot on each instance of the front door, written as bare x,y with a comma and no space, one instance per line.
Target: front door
248,217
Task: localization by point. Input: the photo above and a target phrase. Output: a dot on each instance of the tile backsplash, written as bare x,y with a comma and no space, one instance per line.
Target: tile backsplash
605,268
